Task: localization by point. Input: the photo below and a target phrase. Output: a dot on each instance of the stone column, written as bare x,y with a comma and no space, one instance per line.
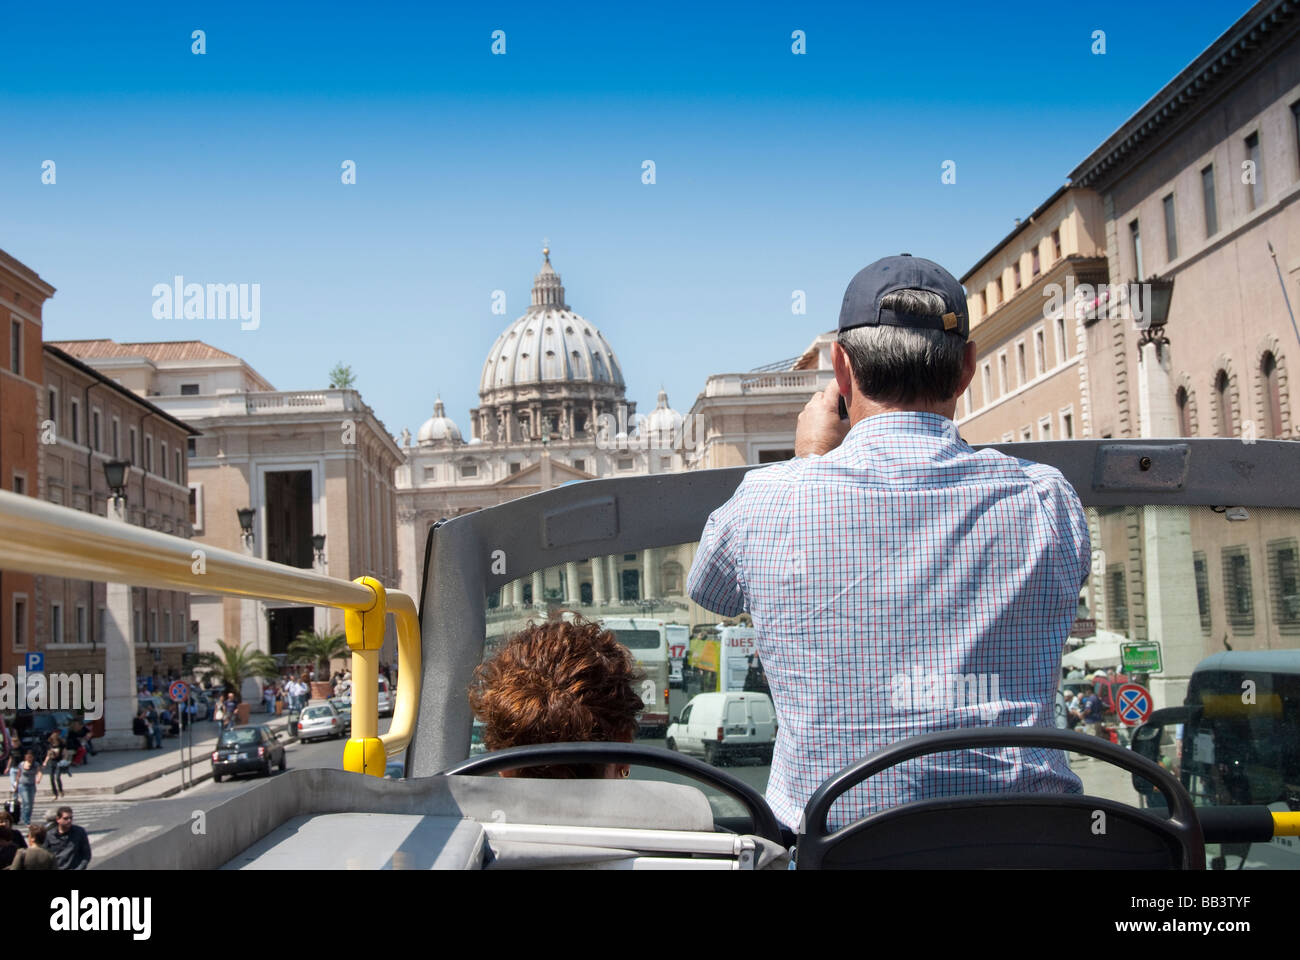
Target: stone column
538,599
1173,616
517,593
572,591
598,592
615,585
118,693
650,574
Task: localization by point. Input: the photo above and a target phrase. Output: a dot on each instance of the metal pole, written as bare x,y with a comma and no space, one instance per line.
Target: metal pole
1278,268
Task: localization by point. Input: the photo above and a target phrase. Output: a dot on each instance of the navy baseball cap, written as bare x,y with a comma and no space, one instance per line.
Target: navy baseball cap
861,306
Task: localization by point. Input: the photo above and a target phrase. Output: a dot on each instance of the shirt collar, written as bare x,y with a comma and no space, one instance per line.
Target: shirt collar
903,421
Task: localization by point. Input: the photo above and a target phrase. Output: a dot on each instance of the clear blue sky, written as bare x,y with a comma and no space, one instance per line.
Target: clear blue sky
775,172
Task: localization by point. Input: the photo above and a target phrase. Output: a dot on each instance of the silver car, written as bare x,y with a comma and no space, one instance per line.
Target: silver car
320,721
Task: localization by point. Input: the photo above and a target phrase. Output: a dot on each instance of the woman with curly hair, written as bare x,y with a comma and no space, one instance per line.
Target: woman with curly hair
560,681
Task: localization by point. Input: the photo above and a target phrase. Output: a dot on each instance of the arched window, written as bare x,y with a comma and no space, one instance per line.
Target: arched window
1184,416
1223,403
1272,394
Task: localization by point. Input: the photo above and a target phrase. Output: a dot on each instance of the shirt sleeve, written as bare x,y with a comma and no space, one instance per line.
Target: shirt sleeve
714,582
1068,519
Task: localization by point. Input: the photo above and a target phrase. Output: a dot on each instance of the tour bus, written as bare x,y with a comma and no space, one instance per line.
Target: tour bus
678,811
1237,742
648,641
725,660
679,641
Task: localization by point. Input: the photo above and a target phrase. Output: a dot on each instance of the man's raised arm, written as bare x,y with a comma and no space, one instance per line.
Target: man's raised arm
714,582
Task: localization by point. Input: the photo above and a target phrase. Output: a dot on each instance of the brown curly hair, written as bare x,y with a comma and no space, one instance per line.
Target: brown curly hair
558,681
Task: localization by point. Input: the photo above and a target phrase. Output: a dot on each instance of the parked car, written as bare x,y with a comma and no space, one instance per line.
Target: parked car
344,707
722,726
319,721
385,699
251,749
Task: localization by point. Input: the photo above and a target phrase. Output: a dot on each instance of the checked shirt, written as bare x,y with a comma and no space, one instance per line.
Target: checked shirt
901,584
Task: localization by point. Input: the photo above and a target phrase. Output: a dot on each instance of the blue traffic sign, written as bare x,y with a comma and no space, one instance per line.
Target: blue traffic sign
1132,704
35,663
179,691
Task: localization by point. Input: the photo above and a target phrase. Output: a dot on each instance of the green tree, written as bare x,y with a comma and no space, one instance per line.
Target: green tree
341,377
235,664
319,648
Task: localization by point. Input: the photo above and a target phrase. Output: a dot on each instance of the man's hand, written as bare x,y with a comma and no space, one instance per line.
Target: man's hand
820,428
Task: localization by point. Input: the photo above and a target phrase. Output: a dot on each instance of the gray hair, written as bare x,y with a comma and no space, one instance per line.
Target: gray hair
903,364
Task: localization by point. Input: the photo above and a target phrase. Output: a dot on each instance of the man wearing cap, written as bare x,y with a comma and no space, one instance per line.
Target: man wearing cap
900,583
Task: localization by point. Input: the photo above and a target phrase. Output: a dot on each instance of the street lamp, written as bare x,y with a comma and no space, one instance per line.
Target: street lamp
1155,312
246,522
318,545
115,474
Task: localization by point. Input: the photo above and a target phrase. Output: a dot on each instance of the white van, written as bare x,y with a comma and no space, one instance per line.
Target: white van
385,698
720,726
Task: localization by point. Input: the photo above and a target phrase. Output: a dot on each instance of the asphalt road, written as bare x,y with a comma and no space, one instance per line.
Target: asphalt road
114,824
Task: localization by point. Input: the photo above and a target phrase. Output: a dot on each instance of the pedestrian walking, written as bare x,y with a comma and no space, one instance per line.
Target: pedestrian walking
29,775
68,843
53,761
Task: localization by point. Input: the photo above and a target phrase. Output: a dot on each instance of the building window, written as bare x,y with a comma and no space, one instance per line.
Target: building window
1135,235
52,407
580,465
20,621
1067,424
196,507
998,287
74,416
1256,193
167,625
1211,205
515,467
177,476
56,623
469,469
153,626
1117,597
81,623
131,435
1171,228
1036,268
1181,399
626,463
189,389
1040,352
1026,433
1045,428
1022,373
1015,275
1237,588
428,473
1272,393
1002,373
117,438
988,383
148,454
1008,438
1223,403
1201,571
96,433
670,578
1056,244
1284,582
1062,344
20,484
766,456
984,304
191,446
137,630
16,346
163,458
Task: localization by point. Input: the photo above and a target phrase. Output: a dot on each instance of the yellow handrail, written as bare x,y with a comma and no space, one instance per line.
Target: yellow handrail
40,537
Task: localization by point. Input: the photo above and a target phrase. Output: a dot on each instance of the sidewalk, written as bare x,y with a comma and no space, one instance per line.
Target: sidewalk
147,774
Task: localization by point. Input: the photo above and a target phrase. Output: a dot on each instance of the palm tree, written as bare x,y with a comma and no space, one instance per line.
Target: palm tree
319,648
235,664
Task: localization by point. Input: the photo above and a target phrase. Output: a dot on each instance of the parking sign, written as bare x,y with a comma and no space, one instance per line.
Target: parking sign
35,663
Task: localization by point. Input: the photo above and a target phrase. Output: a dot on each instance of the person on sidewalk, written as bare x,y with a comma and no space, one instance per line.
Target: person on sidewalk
140,727
53,758
69,844
29,776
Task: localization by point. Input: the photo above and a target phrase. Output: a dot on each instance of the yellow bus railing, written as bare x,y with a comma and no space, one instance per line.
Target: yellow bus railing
45,538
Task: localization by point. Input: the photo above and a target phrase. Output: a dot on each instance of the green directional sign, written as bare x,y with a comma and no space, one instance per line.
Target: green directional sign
1141,658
